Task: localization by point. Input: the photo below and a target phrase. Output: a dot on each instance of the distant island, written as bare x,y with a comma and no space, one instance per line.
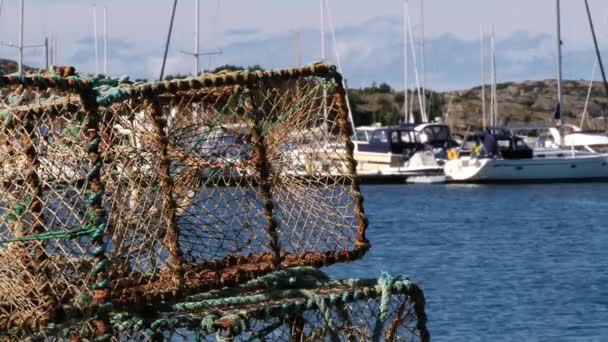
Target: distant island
521,103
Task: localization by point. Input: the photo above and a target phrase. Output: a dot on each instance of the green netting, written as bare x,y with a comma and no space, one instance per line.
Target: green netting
300,304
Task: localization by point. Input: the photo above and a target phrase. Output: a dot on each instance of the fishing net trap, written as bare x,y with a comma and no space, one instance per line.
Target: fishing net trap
187,210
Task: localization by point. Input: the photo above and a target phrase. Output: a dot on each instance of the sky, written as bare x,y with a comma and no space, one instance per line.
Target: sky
369,36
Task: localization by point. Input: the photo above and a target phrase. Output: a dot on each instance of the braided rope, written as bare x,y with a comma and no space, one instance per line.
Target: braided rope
384,288
263,168
169,207
98,219
362,242
120,89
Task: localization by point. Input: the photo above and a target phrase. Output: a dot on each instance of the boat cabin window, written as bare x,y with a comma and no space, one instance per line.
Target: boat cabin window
406,137
395,137
434,133
504,144
380,136
361,136
521,145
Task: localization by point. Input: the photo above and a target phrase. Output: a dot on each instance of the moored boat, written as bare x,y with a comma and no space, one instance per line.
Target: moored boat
408,150
495,158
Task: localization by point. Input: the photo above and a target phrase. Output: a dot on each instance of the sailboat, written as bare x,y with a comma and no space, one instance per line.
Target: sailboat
505,157
411,151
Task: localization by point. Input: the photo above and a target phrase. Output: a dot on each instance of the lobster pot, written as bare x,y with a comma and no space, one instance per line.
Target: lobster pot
116,193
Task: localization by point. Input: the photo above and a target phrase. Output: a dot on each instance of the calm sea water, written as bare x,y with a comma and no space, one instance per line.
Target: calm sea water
496,263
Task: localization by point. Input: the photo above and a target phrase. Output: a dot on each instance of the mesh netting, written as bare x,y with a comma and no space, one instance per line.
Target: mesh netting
116,194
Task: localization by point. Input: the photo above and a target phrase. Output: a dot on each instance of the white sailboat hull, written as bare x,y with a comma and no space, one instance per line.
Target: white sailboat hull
576,168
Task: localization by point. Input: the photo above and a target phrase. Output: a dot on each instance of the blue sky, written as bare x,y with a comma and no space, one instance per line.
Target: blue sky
369,36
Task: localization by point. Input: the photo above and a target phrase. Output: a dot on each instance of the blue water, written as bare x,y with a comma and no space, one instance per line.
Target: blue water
496,263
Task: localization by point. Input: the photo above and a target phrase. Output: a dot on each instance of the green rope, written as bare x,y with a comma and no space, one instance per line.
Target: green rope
383,287
68,234
385,282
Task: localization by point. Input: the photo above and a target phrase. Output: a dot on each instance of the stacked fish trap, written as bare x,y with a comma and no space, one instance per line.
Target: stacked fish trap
195,209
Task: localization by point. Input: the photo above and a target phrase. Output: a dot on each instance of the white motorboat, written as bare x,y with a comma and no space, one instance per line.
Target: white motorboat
407,150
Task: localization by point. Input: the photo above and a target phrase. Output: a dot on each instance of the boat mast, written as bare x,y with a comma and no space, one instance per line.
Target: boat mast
483,84
51,48
46,53
196,53
493,99
495,78
298,48
162,68
196,37
105,40
322,2
406,116
55,48
559,110
95,39
20,70
422,56
322,30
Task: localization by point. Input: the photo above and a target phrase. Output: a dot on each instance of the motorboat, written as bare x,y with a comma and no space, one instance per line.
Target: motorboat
407,149
499,157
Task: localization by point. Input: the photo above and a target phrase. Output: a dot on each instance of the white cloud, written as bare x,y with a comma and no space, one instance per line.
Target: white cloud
369,37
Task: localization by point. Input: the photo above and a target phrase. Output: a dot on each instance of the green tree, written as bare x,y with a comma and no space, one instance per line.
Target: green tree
399,99
436,102
389,115
384,88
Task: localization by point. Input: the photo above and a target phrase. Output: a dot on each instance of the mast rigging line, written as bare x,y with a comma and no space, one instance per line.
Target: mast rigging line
420,101
583,117
338,61
162,69
597,50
